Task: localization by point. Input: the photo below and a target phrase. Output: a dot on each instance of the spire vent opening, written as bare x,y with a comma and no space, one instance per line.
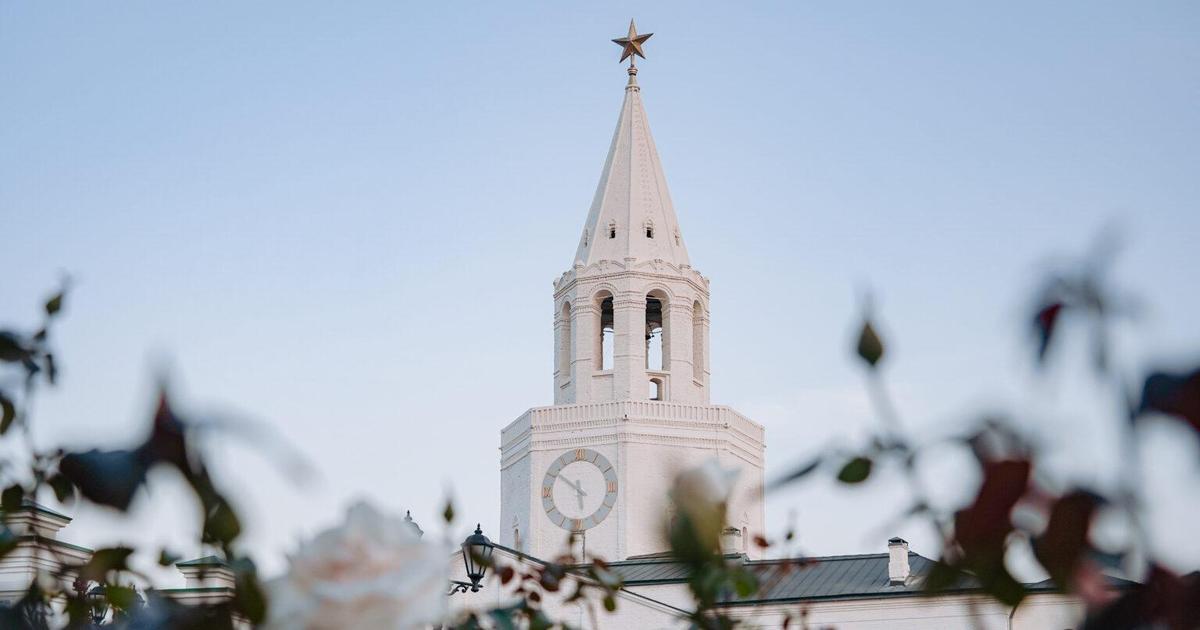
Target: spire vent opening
612,229
649,226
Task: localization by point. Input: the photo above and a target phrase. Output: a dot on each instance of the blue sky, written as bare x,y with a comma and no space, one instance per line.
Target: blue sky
342,221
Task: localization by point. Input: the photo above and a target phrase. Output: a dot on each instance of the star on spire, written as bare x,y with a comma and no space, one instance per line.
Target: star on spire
631,45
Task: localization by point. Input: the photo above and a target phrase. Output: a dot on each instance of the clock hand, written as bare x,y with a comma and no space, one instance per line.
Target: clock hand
579,493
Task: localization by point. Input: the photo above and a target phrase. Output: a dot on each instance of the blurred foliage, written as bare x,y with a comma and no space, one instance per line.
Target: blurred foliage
976,538
531,583
102,588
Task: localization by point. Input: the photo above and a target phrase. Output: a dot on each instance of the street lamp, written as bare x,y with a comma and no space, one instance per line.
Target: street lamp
98,601
477,556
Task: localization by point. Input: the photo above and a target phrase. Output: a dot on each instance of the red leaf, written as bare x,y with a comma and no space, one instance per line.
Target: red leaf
167,442
984,525
982,529
1064,544
1165,600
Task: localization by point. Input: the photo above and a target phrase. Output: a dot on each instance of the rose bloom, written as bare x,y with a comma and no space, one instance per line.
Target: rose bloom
371,572
700,495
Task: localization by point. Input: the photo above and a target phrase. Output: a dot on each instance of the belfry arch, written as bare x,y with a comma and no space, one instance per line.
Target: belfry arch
657,323
698,341
564,351
606,330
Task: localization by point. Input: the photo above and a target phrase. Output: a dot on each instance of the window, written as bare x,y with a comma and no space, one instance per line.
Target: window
656,389
698,341
656,354
564,341
649,226
612,229
606,334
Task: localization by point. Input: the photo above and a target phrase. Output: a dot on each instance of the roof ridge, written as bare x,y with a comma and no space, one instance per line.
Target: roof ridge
654,559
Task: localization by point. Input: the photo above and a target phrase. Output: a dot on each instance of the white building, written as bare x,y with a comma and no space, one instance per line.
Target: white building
631,378
632,408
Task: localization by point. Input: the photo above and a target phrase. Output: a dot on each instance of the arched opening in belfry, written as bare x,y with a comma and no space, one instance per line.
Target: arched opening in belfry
698,340
656,330
657,389
606,334
564,341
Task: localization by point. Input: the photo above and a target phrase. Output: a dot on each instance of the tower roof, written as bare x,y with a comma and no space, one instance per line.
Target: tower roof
632,214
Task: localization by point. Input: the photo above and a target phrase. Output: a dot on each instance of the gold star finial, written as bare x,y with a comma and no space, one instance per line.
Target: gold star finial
631,45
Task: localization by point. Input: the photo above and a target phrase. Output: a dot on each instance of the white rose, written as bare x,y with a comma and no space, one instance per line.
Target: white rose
705,485
700,495
371,572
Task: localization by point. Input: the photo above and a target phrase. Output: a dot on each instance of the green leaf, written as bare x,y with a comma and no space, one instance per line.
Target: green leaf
109,478
744,583
51,368
801,471
870,347
8,413
121,597
1174,393
54,304
448,513
221,524
8,540
64,490
249,596
610,603
502,619
105,561
941,577
855,471
11,499
166,558
1004,587
11,348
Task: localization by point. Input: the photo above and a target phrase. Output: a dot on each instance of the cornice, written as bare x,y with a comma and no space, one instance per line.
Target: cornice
604,423
601,271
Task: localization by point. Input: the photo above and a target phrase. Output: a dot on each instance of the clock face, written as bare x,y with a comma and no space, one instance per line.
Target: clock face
579,490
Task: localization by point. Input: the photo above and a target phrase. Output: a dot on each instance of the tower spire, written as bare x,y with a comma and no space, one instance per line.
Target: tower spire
631,374
631,214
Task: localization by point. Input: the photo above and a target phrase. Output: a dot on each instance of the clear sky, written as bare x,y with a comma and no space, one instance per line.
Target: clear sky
342,221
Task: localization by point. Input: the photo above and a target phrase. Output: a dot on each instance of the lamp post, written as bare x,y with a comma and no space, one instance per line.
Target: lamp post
477,557
98,602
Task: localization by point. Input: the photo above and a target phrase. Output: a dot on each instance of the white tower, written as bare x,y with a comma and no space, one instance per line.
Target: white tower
631,377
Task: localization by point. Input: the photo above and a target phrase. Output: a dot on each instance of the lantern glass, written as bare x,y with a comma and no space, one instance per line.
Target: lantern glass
98,601
477,556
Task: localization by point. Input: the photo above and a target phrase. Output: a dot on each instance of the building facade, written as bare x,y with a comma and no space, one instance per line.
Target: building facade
630,381
588,477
